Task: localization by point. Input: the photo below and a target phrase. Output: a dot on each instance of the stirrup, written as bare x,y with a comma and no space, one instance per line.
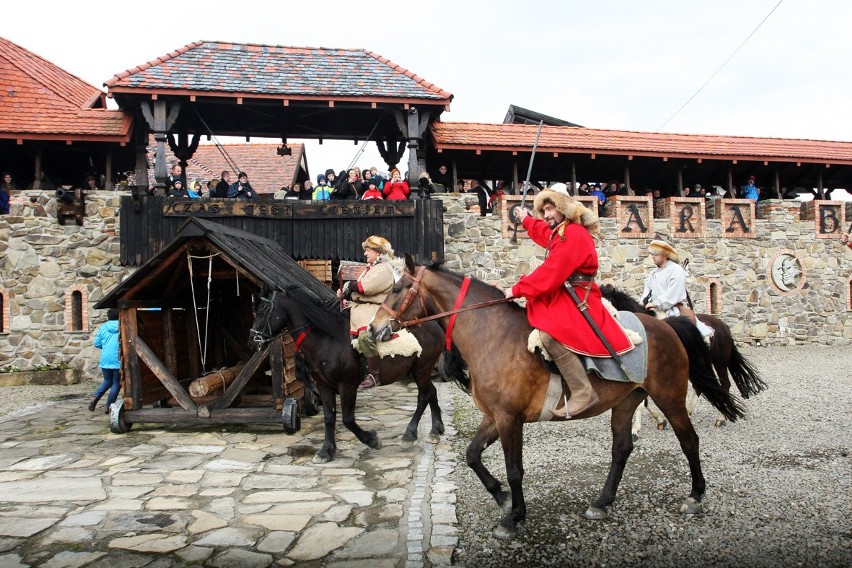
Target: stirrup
368,382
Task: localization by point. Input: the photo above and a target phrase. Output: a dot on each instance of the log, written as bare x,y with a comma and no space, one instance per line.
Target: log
217,380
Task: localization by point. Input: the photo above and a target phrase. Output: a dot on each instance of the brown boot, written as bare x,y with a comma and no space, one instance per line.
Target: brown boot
371,379
583,396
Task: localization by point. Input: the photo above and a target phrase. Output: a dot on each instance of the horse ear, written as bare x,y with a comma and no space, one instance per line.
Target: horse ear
409,264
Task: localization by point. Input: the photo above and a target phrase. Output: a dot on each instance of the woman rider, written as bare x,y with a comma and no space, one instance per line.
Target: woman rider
366,295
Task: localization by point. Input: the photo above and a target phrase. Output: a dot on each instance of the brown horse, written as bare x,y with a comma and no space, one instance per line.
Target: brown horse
321,332
508,383
727,359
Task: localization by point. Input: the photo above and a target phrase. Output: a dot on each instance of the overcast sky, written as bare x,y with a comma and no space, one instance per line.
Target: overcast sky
625,65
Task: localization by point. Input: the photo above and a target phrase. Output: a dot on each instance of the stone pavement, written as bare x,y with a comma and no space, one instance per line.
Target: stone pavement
74,494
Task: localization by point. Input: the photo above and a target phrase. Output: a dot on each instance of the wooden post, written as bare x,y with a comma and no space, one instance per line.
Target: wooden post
574,188
169,340
132,373
150,358
778,184
731,193
515,175
455,175
37,182
108,183
680,181
627,181
820,189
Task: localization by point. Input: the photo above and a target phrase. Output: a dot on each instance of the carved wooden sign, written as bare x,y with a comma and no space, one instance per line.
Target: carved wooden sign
283,209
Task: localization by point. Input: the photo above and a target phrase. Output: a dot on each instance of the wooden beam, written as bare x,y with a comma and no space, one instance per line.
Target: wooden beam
162,373
156,271
169,340
241,350
234,388
131,376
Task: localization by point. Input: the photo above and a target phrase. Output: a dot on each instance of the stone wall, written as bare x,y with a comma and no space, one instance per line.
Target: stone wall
43,263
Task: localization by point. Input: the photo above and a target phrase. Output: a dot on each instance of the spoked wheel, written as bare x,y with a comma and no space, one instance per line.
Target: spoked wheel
117,423
312,401
290,416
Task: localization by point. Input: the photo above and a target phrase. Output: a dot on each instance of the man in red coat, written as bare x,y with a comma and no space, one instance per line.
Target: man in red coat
565,229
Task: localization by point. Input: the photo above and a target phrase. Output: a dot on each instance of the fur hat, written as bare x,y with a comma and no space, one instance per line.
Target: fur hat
559,188
378,244
574,211
663,248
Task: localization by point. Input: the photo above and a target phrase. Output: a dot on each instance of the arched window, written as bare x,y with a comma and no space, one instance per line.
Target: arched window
714,296
76,309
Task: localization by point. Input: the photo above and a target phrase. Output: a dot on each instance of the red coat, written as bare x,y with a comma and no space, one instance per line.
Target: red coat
550,308
396,190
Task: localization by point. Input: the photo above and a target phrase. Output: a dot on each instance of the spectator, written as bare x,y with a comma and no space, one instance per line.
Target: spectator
176,189
106,339
307,191
379,177
241,189
8,185
597,192
750,190
294,192
366,175
425,188
91,184
611,189
174,176
372,191
584,190
194,191
443,180
210,188
330,177
482,194
4,195
460,186
322,192
350,188
397,188
281,193
223,185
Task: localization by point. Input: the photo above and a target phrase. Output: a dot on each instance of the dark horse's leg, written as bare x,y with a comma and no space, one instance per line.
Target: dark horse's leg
688,438
485,435
329,412
348,394
511,432
426,394
621,422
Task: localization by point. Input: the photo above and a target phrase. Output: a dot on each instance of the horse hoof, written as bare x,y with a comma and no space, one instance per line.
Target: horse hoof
320,457
433,439
596,514
502,533
375,443
720,423
662,425
690,506
409,437
635,437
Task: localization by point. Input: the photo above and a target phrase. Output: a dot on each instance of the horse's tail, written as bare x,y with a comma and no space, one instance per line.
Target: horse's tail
454,368
701,375
744,374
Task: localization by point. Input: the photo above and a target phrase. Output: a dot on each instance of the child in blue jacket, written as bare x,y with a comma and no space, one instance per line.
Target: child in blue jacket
106,339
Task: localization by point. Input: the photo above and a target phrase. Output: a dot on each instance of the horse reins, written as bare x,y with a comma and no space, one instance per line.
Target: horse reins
302,329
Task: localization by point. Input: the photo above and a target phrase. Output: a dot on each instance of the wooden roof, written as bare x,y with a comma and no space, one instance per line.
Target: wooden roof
256,258
563,139
41,101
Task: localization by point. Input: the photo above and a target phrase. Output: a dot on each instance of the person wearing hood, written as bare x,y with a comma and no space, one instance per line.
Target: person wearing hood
106,339
241,189
397,188
349,188
321,192
372,192
307,191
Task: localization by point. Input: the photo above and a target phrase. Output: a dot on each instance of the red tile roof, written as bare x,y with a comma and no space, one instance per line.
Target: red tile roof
42,101
566,139
267,171
232,69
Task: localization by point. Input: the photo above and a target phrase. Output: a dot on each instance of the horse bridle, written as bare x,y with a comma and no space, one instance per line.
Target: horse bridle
413,292
258,335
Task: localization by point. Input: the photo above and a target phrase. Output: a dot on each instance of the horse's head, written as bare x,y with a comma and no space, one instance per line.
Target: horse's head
270,318
404,303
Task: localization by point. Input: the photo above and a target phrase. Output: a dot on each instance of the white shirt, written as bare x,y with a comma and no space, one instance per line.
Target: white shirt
667,286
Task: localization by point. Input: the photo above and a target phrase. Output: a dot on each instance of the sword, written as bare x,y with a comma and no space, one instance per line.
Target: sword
514,238
582,306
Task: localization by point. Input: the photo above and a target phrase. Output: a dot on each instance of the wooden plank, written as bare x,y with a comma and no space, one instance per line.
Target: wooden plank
241,350
241,380
261,415
132,372
162,373
169,341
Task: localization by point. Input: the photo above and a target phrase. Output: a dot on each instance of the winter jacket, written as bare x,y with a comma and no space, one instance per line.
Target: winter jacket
106,339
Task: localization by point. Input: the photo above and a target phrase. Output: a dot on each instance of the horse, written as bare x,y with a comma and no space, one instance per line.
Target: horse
508,382
321,332
727,359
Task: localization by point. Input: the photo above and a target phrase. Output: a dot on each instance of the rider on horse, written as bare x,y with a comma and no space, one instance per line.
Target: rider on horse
565,228
665,288
366,295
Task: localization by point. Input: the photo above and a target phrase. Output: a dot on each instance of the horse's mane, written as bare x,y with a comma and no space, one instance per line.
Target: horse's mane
325,316
623,301
484,287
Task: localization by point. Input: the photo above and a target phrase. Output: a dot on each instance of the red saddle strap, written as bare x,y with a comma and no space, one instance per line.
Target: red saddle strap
300,339
459,301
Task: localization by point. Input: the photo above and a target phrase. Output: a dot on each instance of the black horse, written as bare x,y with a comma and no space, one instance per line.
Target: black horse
321,332
727,359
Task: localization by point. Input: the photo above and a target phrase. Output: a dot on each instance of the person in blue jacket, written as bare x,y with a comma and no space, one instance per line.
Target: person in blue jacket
106,339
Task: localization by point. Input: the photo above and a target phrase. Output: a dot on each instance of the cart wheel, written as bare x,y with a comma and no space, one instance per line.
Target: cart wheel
290,415
117,423
312,401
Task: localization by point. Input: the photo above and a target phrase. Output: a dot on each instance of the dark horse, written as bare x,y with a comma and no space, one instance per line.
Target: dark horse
508,383
321,331
727,359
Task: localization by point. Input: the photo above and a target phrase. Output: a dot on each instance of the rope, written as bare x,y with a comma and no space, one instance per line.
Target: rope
228,160
202,348
366,140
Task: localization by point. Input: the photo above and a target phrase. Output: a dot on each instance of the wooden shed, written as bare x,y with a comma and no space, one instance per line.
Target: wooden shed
185,315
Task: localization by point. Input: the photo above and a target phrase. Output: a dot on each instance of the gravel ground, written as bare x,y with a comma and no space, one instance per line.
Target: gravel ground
779,483
16,399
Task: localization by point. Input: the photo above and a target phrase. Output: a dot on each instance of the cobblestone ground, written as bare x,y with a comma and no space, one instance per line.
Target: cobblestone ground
779,483
74,494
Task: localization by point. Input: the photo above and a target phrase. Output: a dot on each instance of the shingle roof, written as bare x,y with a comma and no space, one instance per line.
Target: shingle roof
267,170
520,137
42,101
262,257
229,69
